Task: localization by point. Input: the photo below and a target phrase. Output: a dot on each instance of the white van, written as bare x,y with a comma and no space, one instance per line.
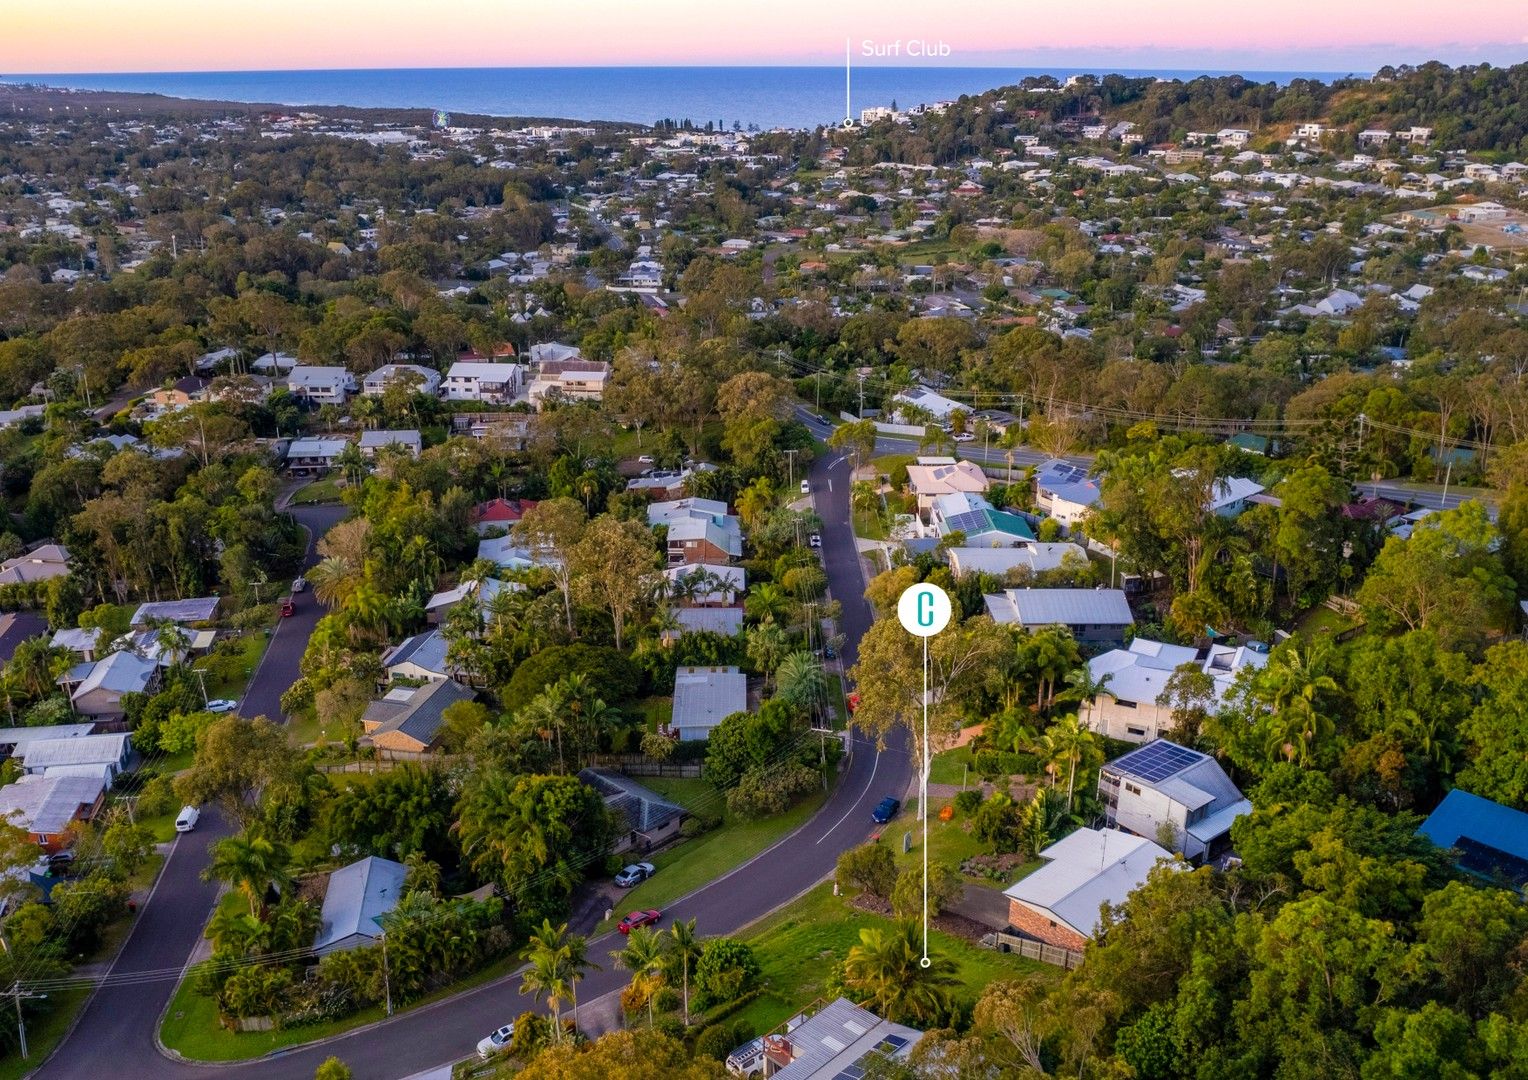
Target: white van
189,815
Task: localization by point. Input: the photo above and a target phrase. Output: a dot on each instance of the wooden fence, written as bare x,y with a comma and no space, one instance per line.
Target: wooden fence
1034,950
642,765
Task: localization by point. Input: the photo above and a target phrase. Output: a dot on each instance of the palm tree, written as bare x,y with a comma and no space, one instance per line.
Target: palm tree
1085,690
549,975
333,580
886,970
643,957
767,601
801,682
253,864
684,947
1070,743
547,713
768,646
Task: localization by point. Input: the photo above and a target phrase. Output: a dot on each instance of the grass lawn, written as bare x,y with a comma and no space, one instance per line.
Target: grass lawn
687,866
800,945
251,647
871,525
1321,620
655,711
192,1029
319,491
949,842
45,1032
949,767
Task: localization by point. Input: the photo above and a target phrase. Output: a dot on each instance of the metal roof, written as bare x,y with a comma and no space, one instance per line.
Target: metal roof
1492,838
1067,607
359,895
703,696
196,609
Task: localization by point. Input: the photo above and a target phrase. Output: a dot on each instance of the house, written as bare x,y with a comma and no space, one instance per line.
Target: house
46,805
727,621
422,656
706,584
471,381
982,524
313,456
102,755
484,592
648,818
411,726
357,898
178,395
1037,558
13,739
1065,491
1134,680
1491,839
424,380
1163,789
1060,903
930,477
275,363
325,385
704,696
196,609
699,530
99,690
16,627
570,380
499,515
83,643
372,441
40,564
509,431
1231,495
926,399
1090,614
841,1039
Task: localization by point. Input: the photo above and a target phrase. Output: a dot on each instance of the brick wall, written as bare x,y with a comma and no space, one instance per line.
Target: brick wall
1031,922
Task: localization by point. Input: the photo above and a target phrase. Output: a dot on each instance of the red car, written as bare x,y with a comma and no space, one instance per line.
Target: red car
639,918
288,608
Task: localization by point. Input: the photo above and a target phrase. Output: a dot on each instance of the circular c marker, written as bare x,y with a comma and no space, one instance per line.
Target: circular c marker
923,609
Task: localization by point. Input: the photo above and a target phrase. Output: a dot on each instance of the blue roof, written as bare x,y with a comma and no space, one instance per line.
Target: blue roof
1493,838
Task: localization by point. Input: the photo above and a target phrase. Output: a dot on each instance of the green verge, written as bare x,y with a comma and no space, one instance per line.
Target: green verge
691,864
801,945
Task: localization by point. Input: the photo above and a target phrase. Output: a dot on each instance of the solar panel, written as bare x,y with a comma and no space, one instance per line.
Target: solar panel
892,1042
1156,761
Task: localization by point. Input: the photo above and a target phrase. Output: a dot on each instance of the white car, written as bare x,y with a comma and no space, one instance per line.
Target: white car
221,704
186,821
635,874
645,459
815,540
965,436
299,584
496,1042
806,487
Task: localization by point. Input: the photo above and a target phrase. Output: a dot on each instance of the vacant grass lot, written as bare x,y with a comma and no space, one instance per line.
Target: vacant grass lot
692,863
801,945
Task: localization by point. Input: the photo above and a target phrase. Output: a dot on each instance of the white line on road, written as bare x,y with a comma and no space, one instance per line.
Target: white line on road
874,765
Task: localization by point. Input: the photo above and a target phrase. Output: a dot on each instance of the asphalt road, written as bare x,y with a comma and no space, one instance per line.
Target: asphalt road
116,1036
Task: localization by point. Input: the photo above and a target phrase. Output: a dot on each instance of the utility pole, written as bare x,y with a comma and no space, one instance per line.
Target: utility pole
21,1025
790,457
201,677
387,989
862,395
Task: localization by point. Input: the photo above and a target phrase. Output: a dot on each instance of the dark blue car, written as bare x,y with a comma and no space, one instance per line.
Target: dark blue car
885,810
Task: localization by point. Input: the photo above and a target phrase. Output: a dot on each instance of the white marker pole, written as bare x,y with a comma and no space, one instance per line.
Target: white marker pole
924,610
848,105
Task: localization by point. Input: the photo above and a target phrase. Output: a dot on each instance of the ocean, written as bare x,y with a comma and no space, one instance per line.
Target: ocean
797,97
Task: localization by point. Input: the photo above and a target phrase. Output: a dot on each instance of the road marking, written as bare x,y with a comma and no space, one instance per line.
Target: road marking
874,765
830,483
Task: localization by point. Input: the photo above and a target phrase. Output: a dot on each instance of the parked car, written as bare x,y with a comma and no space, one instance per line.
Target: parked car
815,540
495,1042
885,810
186,821
299,584
806,487
645,459
639,918
965,436
635,874
221,704
288,607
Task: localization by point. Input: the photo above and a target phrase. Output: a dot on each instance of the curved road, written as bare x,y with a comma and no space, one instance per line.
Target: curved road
116,1035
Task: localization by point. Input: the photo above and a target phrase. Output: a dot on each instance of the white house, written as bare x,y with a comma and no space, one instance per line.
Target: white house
1163,786
326,385
372,441
313,456
425,380
922,397
1130,706
470,381
1060,902
1065,491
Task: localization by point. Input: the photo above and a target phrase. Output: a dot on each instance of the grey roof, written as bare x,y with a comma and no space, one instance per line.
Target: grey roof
20,736
16,627
196,609
703,696
80,750
643,809
1061,607
46,804
717,620
1067,481
838,1037
426,651
1084,870
999,560
1186,776
421,717
375,440
357,898
121,672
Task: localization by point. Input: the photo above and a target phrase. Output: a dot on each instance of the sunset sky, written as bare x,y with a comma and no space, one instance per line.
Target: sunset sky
208,35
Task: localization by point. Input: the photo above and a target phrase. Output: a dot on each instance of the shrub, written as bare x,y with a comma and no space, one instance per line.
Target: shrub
966,802
666,1000
869,867
719,1040
157,797
726,969
671,1026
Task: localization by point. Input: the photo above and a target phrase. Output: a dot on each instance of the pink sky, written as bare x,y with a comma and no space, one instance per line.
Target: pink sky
203,35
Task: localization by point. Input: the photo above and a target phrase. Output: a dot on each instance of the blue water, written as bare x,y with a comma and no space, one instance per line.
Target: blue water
766,96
